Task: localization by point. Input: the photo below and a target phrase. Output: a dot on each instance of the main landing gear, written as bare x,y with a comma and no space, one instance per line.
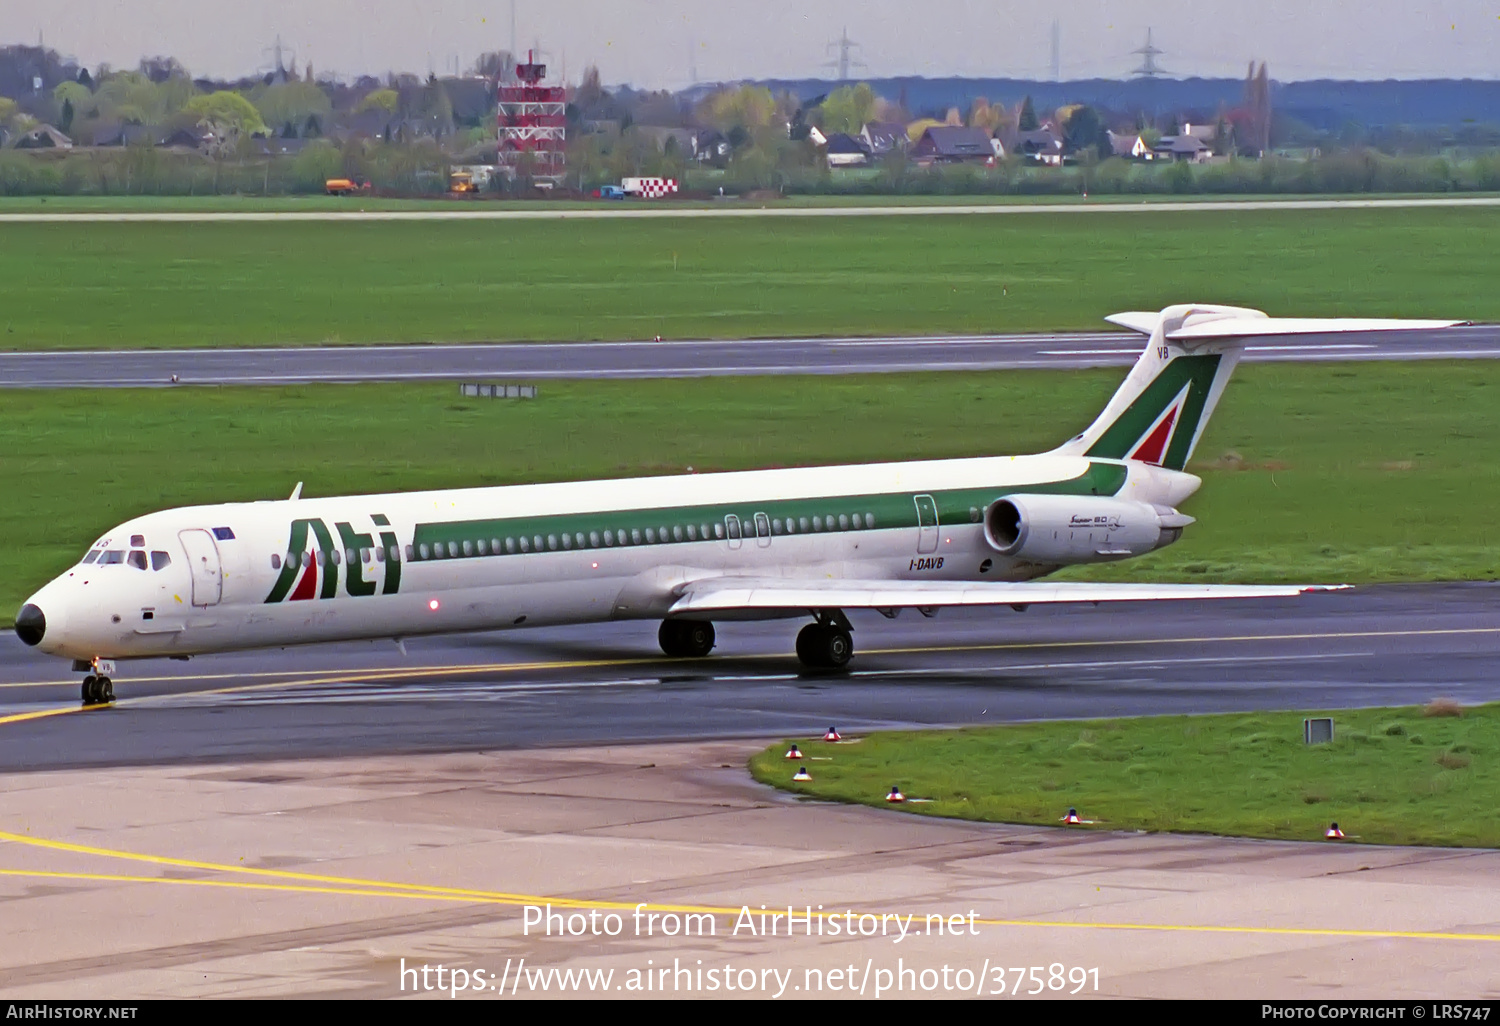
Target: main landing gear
826,644
98,689
691,639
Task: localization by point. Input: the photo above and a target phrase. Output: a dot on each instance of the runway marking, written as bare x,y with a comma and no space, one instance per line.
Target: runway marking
314,883
44,713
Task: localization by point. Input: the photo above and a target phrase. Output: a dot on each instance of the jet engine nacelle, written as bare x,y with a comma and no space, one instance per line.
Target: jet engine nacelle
1062,529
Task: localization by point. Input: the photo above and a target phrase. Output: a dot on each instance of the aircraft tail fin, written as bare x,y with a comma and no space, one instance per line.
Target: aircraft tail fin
1159,412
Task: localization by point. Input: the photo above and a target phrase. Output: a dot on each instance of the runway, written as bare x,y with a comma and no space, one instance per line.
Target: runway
603,684
537,361
629,210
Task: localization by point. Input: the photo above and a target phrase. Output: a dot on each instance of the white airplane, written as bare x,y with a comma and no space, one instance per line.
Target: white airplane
685,550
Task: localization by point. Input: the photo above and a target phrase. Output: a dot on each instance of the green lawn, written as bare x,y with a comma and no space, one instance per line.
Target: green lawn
1391,776
1330,472
255,204
170,285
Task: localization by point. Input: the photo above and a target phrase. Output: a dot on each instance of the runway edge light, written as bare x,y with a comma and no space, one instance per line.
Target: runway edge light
794,752
1334,833
832,734
895,795
1072,816
802,774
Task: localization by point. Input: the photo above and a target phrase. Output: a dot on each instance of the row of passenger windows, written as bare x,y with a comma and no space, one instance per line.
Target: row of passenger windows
135,557
730,528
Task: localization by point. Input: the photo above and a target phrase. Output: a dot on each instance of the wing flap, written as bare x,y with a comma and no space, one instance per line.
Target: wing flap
725,593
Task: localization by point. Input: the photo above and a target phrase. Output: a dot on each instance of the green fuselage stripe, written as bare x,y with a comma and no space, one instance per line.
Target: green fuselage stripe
669,525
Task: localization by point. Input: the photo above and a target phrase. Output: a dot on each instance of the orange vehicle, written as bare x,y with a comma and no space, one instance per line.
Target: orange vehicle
462,183
345,186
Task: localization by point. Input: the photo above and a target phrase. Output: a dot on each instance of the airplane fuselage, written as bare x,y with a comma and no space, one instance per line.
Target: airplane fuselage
250,575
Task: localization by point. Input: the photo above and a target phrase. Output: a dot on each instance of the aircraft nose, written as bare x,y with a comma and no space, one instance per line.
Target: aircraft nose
31,624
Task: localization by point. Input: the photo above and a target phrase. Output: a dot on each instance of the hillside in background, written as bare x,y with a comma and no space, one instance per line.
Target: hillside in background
1323,104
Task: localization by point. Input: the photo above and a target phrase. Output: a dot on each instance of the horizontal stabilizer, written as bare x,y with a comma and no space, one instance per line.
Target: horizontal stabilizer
1249,327
1144,321
725,593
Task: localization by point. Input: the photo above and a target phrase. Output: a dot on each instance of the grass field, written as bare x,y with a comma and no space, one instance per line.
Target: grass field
1342,472
254,204
1390,776
170,285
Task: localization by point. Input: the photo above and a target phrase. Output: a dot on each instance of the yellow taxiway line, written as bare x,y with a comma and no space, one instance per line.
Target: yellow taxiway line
290,881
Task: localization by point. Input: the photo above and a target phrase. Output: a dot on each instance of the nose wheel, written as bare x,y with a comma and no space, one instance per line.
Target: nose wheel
98,690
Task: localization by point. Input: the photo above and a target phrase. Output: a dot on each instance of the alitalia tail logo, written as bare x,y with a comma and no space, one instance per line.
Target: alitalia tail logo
1154,444
314,564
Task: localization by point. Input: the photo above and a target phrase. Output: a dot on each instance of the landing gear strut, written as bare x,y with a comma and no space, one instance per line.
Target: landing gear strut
98,690
826,644
691,639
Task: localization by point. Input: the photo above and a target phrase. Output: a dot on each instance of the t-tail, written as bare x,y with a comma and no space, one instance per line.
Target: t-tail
1158,414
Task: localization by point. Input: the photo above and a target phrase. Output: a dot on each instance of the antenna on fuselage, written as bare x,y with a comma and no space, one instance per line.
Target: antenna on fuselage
296,493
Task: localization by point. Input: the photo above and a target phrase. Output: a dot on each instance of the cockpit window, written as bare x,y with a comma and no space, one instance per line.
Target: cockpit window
93,555
137,559
138,541
112,556
160,560
223,534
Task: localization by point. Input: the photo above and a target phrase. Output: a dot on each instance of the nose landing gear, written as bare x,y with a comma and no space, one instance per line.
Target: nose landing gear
98,689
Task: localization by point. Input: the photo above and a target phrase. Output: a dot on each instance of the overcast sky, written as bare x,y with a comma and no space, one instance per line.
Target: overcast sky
658,43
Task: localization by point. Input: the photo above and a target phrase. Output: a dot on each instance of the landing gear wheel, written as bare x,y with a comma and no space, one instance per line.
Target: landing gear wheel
98,690
824,646
691,639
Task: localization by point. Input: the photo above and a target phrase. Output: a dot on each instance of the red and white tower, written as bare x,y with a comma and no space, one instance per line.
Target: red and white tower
533,120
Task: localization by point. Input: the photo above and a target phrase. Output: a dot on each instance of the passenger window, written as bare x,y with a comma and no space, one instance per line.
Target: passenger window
650,536
223,534
495,546
843,522
869,519
802,524
93,555
138,541
536,542
510,545
776,525
635,536
468,547
482,546
525,544
379,553
336,557
424,550
408,553
677,532
453,549
567,541
275,560
817,523
692,532
718,531
594,539
137,559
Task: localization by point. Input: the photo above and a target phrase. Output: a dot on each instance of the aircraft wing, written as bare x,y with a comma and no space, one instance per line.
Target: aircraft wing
725,593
